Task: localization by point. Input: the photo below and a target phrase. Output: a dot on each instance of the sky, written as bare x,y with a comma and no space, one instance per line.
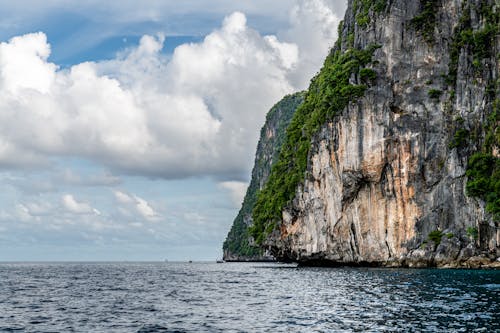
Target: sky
128,128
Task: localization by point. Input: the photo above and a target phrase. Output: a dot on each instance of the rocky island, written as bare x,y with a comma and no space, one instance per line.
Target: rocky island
392,156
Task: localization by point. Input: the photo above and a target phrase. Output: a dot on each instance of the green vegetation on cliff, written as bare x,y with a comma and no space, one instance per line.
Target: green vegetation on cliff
425,22
238,243
329,93
483,169
478,43
483,174
362,10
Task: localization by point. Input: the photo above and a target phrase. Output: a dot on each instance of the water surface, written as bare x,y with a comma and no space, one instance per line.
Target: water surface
246,297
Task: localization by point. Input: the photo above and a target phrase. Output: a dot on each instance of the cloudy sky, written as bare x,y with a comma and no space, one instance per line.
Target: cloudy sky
128,129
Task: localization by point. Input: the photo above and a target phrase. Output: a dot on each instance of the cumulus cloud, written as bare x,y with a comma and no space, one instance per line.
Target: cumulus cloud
195,113
40,208
28,212
71,133
123,198
21,213
135,206
71,205
312,28
26,57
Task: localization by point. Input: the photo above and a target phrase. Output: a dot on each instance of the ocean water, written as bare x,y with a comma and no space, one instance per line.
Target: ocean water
244,297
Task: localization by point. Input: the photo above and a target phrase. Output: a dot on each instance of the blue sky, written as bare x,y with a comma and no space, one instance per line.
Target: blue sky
128,129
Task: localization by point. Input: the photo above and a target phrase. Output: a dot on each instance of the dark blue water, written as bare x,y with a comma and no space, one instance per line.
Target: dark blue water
206,297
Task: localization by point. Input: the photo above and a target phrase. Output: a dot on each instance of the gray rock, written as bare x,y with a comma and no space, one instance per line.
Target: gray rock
239,245
382,176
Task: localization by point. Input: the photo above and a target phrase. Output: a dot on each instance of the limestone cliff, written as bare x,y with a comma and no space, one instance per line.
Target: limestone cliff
239,245
401,162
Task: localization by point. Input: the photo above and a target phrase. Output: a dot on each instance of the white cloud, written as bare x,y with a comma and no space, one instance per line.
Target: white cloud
71,205
236,191
123,198
104,20
135,206
313,27
39,208
25,57
145,209
27,212
196,113
22,213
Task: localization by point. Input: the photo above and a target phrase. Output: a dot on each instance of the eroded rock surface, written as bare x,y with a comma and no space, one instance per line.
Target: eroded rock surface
382,177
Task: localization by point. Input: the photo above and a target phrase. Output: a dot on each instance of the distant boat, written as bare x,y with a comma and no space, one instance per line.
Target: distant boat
220,261
190,261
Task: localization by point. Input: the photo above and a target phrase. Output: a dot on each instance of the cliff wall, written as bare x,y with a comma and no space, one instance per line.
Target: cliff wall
239,245
405,172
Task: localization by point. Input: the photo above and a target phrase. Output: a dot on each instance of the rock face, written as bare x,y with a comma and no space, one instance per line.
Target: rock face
386,178
239,245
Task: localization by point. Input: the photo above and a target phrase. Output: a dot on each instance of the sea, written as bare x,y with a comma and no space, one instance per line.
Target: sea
244,297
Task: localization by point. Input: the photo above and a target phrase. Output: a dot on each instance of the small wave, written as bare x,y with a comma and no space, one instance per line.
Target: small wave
492,286
264,300
156,328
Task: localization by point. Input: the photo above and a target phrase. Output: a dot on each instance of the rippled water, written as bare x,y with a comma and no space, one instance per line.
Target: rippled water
206,297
